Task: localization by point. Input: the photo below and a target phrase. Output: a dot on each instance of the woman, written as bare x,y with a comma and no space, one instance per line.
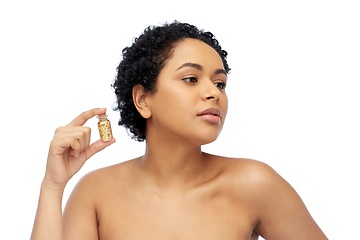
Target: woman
170,91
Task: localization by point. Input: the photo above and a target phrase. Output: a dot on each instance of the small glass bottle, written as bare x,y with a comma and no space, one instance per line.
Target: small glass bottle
104,128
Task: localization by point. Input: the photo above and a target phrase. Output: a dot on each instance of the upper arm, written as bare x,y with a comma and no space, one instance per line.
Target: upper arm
79,218
282,213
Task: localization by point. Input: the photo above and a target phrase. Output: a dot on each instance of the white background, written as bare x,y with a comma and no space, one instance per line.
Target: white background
293,92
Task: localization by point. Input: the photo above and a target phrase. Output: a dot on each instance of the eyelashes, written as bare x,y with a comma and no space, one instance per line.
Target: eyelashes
219,84
190,79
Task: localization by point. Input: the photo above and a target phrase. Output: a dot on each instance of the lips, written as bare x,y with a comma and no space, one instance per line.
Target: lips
211,115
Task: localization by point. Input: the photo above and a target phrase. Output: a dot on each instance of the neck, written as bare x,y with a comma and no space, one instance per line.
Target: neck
171,166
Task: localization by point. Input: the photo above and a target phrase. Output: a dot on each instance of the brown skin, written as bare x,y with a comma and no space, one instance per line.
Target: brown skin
175,191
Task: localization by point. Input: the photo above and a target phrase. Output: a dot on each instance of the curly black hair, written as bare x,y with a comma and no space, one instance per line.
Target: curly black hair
143,61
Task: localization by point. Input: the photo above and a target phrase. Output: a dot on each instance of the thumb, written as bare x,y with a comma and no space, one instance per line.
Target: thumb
97,147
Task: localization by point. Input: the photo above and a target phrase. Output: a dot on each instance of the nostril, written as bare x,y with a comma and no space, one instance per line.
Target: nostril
213,98
212,93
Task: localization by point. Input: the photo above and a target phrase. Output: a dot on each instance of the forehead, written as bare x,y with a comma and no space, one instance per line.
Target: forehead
194,51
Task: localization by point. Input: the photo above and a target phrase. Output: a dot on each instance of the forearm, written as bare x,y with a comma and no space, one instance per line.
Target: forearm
48,220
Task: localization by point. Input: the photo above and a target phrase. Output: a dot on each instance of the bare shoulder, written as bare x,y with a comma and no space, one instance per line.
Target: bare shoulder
255,179
80,218
97,185
254,172
106,177
94,187
280,211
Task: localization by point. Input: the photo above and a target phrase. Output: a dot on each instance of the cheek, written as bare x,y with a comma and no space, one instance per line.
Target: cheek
224,105
175,96
172,102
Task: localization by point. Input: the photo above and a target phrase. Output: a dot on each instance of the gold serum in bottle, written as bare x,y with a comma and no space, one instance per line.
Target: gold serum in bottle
104,128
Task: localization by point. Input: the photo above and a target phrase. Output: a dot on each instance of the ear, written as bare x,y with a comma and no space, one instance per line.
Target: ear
141,101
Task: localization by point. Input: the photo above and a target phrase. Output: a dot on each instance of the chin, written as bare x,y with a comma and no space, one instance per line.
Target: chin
208,142
206,138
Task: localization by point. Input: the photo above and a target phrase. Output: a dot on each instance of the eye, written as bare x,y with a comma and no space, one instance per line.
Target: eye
220,85
190,79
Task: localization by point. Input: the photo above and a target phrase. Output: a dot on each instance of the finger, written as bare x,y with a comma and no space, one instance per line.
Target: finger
82,118
97,147
71,152
76,147
87,136
83,135
80,132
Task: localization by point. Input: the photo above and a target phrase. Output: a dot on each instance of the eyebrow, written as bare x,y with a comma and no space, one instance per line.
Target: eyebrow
221,71
200,68
192,65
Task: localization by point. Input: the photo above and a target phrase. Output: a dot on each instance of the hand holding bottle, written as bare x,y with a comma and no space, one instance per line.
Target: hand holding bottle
70,149
68,152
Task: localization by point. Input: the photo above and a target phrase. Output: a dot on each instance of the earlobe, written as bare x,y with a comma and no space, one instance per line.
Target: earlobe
140,101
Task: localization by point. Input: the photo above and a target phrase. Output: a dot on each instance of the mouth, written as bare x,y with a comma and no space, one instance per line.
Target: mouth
211,115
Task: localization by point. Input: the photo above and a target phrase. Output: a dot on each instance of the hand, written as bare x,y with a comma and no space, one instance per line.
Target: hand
70,149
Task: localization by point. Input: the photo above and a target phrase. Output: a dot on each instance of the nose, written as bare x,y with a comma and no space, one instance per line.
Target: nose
210,92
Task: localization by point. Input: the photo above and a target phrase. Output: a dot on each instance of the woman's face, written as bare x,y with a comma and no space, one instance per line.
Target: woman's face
190,103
